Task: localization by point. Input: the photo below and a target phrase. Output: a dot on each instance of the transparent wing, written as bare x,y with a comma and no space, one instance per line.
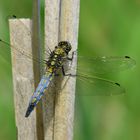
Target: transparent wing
87,65
88,68
7,47
103,65
89,85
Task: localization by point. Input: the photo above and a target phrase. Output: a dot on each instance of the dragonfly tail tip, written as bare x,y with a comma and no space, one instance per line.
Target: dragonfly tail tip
29,110
27,114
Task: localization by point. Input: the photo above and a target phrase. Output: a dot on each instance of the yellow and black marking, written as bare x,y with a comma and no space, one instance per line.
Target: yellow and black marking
57,57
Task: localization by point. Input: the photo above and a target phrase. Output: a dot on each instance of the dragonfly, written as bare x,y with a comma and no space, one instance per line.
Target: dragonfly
87,71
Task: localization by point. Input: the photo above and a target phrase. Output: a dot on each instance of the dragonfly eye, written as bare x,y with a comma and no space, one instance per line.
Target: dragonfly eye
65,45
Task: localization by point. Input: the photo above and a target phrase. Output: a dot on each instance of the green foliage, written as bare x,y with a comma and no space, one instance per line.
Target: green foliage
110,28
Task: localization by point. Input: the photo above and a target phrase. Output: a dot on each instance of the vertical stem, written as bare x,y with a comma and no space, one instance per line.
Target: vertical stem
22,68
64,107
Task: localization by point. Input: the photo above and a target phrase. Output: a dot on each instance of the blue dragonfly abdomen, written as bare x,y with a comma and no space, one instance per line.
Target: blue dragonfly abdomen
39,92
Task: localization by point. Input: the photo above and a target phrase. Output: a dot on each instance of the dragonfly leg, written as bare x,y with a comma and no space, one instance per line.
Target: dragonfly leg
66,80
71,58
67,74
63,72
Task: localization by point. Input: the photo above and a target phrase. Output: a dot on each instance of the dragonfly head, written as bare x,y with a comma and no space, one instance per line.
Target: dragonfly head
65,45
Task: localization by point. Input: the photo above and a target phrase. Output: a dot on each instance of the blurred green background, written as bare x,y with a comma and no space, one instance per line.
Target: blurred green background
107,28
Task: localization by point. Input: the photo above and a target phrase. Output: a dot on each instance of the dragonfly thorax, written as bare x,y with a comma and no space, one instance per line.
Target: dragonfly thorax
65,46
58,56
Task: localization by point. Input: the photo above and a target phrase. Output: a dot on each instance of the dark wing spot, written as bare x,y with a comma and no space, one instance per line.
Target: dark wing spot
14,16
118,84
127,57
